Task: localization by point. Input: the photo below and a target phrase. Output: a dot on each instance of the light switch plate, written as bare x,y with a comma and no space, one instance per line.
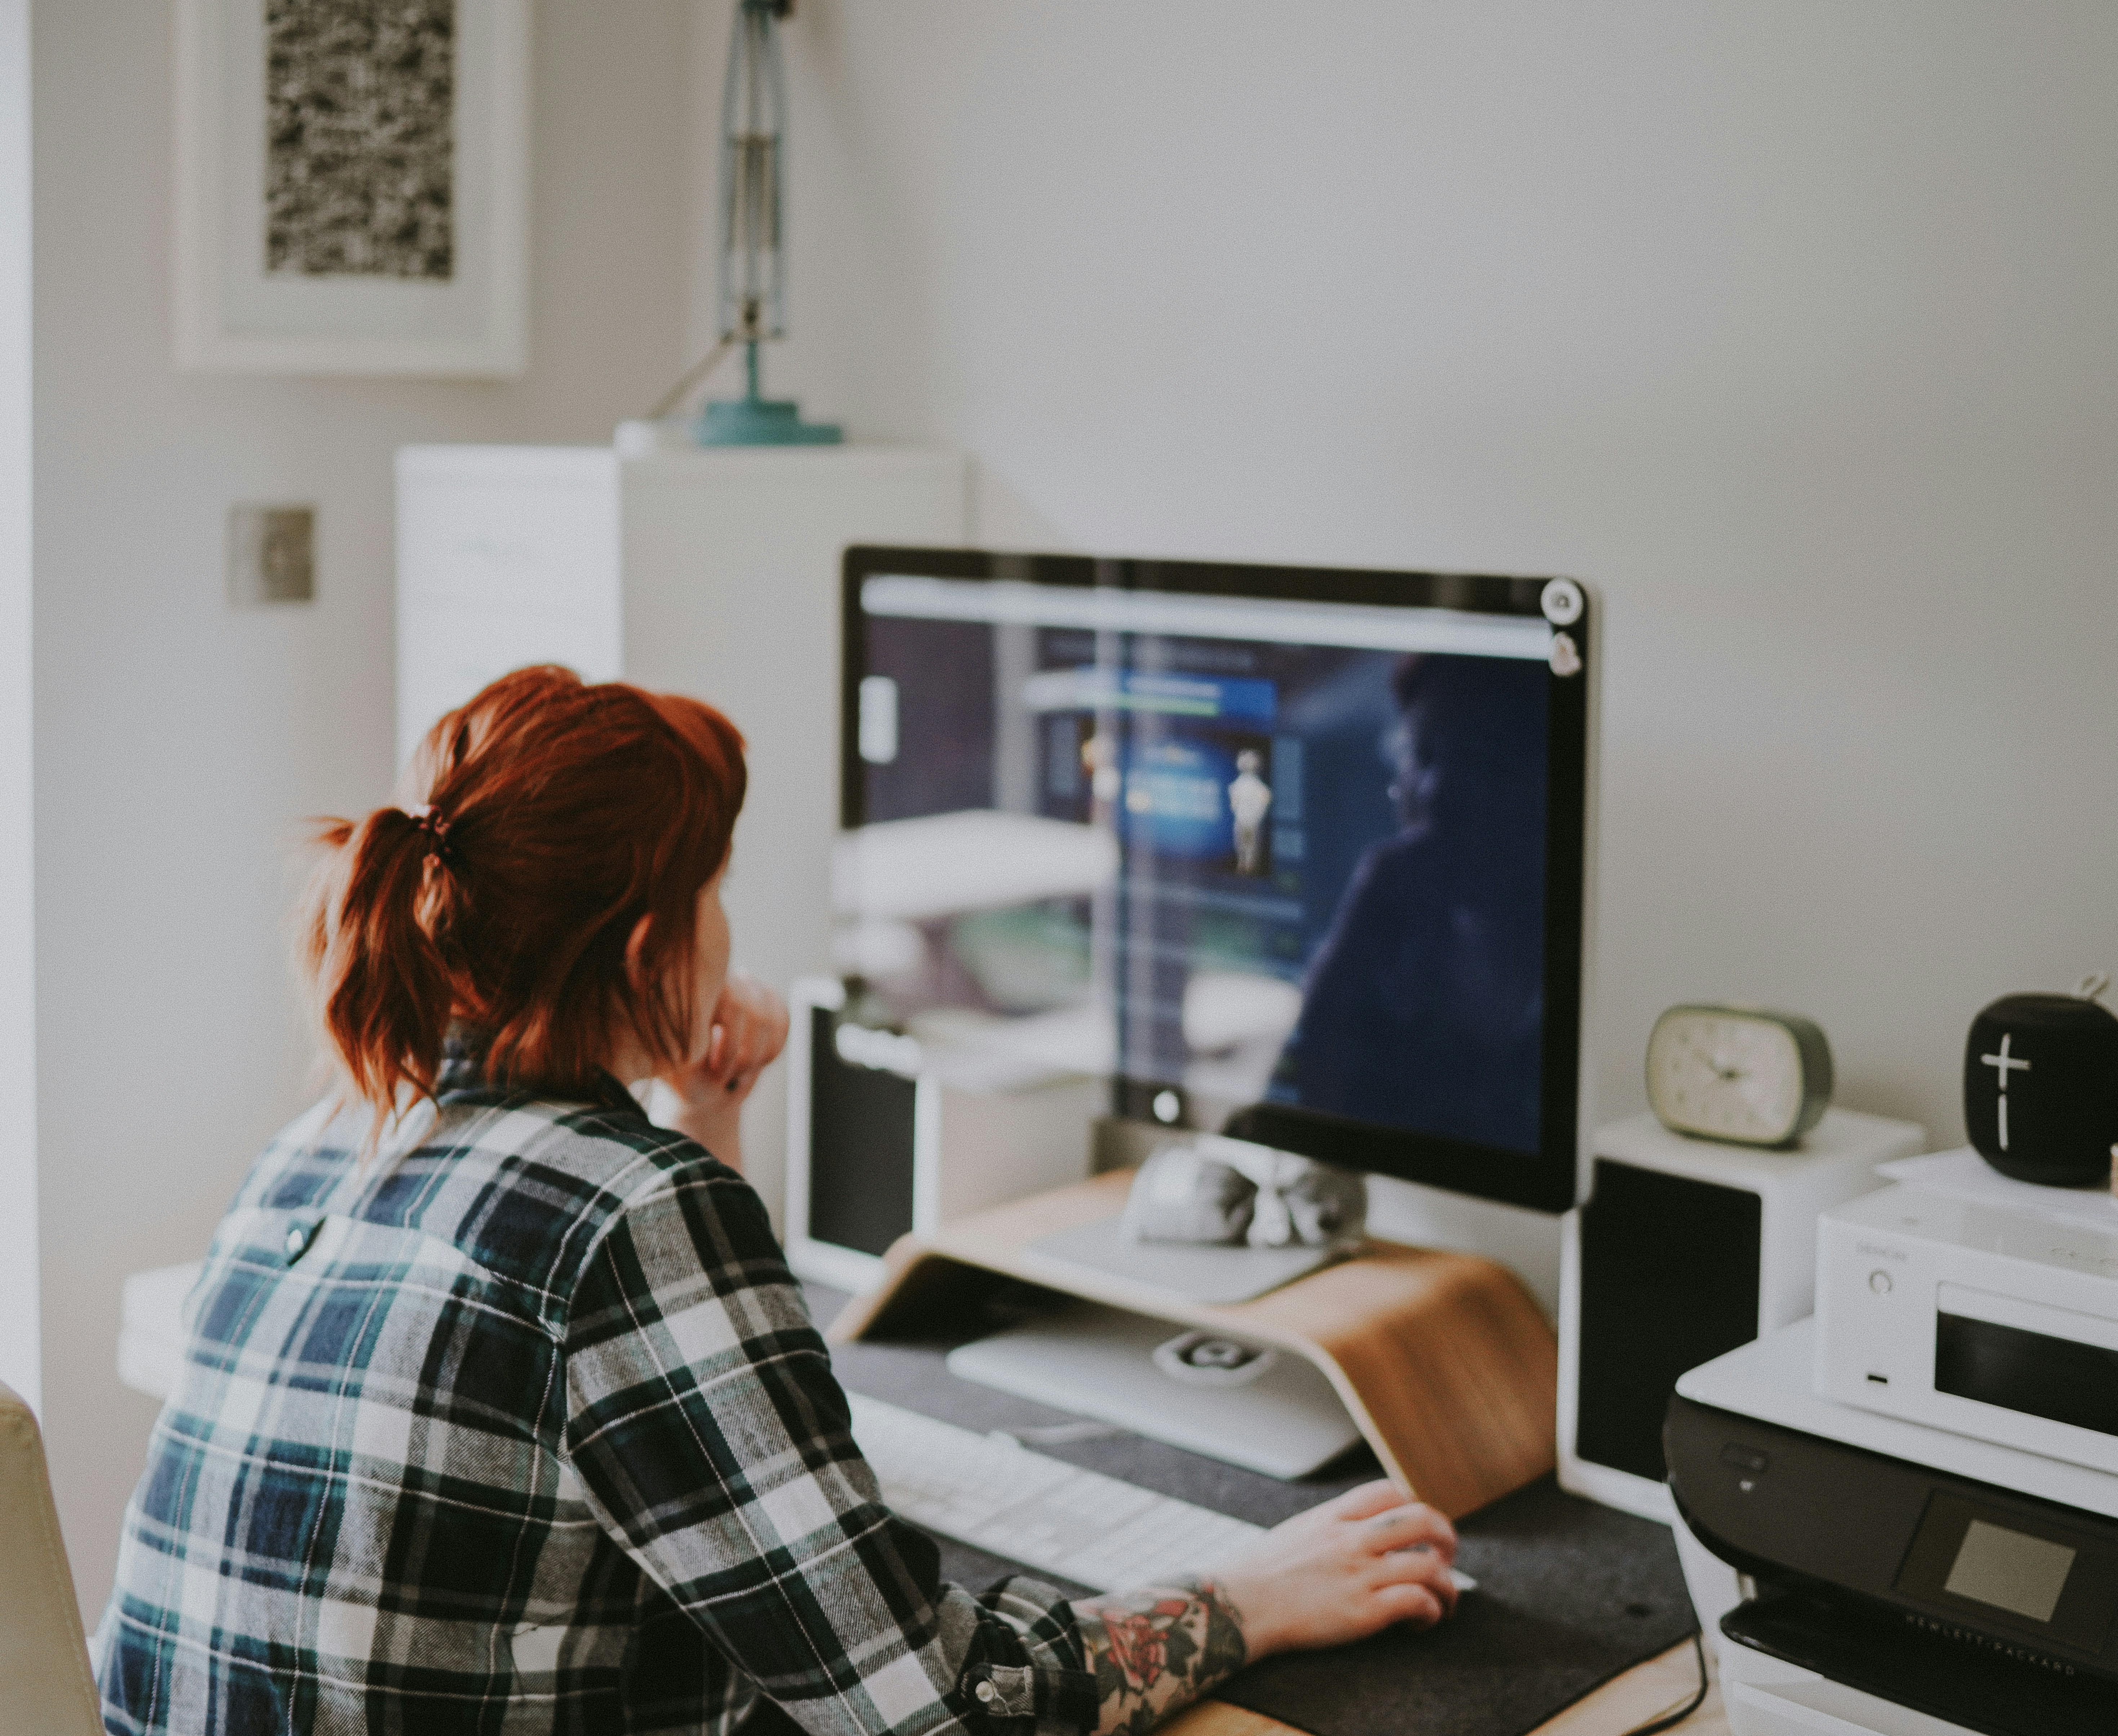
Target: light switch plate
271,555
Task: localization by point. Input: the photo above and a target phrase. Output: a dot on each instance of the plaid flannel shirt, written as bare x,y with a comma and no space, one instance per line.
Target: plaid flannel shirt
526,1429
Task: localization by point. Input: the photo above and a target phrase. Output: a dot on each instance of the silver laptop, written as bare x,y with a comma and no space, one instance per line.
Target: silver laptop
1267,1410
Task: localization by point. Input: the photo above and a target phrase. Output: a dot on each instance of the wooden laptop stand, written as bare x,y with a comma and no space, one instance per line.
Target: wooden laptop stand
1443,1360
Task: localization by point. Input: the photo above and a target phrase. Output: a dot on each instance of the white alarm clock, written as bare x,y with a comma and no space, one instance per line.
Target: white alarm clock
1738,1073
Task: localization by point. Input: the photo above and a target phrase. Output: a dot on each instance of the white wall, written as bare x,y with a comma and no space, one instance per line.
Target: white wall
1793,327
18,1076
181,743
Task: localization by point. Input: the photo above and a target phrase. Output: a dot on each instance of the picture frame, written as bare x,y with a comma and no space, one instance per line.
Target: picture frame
352,186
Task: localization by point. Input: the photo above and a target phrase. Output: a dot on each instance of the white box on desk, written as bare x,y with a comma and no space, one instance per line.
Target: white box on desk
712,573
1962,1300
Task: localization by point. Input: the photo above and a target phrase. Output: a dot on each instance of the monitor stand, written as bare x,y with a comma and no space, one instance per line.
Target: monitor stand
1443,1361
1282,1419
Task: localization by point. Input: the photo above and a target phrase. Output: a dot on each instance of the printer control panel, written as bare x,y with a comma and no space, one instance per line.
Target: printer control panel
1966,1563
2061,1581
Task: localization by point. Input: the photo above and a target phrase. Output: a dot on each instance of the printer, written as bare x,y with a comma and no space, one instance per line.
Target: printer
1888,1577
1932,1551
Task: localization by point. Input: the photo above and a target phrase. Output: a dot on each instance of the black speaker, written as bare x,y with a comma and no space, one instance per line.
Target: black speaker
2040,1089
886,1135
1685,1249
1669,1280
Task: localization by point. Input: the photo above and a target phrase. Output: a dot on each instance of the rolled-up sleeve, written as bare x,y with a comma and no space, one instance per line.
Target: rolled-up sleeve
716,1448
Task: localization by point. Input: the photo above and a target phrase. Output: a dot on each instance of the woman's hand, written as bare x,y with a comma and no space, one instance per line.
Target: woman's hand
746,1032
1338,1572
1342,1572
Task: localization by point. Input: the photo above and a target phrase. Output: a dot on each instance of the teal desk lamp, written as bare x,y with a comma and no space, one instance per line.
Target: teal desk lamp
752,292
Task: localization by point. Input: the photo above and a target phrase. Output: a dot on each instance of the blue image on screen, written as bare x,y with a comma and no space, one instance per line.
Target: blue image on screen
1173,800
1178,800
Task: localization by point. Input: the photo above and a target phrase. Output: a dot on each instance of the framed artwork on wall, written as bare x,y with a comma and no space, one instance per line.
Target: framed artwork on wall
352,186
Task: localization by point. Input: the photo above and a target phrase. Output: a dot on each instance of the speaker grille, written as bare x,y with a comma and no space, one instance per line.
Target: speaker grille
860,1147
1669,1280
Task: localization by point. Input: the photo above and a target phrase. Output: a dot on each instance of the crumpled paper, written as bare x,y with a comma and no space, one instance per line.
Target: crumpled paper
1216,1191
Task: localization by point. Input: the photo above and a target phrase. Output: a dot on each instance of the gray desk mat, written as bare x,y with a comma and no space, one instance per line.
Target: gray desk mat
1570,1594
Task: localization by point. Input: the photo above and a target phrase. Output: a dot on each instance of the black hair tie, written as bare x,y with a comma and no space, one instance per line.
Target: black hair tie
434,824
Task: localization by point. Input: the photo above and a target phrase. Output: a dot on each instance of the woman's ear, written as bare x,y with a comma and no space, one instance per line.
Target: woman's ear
633,1058
635,944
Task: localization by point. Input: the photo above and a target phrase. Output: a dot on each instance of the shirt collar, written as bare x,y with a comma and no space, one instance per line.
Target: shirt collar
463,1069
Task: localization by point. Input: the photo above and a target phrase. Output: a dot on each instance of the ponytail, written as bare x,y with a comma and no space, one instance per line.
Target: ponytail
386,990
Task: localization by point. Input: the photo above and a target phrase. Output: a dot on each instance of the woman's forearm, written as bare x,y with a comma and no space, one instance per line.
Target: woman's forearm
1156,1650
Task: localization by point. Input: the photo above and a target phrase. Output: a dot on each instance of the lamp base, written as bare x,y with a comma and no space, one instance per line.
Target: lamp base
762,421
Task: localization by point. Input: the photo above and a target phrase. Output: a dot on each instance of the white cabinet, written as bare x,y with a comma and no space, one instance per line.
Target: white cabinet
711,573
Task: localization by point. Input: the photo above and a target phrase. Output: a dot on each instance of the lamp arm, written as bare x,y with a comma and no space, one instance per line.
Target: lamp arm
692,376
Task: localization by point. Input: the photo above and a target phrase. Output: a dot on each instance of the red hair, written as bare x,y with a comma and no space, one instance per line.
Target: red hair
557,817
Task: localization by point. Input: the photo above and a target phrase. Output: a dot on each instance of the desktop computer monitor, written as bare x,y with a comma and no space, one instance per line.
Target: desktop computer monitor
1297,854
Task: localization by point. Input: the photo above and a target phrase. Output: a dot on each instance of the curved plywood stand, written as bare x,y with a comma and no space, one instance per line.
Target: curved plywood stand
1443,1360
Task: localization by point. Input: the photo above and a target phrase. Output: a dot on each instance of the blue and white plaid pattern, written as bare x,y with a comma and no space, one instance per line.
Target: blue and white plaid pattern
526,1429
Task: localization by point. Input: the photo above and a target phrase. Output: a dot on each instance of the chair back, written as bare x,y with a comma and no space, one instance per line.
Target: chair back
45,1687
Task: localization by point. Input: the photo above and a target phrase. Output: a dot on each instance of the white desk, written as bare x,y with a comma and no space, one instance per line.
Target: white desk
150,1338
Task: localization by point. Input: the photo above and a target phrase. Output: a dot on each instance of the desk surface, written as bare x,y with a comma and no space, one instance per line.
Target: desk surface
1545,1558
1636,1697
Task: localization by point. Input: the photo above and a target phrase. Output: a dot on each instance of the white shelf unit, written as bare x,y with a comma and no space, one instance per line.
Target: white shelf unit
713,573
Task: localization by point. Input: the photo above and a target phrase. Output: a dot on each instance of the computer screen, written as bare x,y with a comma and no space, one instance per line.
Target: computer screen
1294,854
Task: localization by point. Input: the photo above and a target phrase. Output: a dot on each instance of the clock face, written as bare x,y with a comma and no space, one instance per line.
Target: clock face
1726,1075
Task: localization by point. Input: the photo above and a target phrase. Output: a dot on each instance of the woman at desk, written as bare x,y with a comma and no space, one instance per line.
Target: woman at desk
501,1410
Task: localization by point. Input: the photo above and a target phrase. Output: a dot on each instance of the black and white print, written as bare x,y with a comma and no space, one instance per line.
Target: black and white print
359,138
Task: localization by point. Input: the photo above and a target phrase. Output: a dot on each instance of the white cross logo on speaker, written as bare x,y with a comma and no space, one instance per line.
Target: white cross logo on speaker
2003,1064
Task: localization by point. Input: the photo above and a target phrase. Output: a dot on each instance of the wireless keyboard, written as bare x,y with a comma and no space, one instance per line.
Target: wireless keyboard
990,1491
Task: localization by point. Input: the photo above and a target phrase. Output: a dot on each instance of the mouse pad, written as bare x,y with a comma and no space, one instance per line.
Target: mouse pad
1570,1594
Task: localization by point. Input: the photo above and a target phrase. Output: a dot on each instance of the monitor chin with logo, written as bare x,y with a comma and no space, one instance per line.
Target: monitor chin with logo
2040,1087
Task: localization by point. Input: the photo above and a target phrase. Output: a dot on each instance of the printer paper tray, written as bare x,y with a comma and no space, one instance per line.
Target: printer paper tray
1962,1681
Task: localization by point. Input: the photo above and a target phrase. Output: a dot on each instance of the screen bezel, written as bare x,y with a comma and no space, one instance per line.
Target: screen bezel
1548,1181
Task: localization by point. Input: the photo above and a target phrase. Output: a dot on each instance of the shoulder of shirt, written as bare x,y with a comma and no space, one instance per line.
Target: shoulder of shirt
525,1187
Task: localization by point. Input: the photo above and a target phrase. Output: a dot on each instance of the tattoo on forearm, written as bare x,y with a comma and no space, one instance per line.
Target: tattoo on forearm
1158,1649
